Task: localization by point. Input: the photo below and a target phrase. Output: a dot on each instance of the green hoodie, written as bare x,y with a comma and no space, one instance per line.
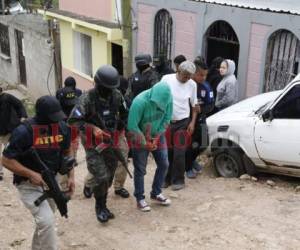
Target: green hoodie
151,112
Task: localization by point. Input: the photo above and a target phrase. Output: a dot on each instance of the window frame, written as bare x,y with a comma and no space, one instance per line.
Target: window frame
4,41
163,35
82,48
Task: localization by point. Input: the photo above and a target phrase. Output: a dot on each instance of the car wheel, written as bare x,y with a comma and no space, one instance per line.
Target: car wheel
228,163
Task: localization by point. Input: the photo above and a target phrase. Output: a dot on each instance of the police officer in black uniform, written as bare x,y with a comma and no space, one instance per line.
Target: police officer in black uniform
205,97
68,95
161,66
101,112
50,136
144,78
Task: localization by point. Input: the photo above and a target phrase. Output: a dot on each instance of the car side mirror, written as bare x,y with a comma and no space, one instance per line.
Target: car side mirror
267,115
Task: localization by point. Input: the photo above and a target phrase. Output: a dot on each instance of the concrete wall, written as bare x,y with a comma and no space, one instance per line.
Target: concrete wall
184,24
191,22
255,61
38,55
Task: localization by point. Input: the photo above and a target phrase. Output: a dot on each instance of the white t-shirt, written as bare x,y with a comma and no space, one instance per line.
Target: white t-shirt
182,94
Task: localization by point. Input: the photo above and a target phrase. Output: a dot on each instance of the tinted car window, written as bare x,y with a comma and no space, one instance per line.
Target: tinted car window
289,106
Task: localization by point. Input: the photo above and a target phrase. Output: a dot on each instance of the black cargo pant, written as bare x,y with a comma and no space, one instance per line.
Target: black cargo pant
198,145
178,141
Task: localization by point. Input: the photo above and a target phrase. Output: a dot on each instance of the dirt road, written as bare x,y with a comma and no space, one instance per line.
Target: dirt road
211,213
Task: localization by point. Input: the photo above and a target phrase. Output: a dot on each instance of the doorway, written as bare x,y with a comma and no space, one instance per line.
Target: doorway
222,41
21,57
117,57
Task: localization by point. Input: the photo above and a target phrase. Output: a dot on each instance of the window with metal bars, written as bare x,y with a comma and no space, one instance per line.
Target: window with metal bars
282,62
163,26
4,40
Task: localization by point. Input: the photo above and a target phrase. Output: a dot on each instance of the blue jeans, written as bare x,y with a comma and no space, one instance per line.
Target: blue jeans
140,156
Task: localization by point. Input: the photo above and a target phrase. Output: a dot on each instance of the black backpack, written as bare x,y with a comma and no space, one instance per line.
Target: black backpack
9,118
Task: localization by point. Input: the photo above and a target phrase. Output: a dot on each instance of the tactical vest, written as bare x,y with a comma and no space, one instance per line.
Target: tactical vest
104,113
140,82
47,145
69,97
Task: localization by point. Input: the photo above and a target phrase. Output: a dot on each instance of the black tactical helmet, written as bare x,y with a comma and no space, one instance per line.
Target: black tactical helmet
107,76
143,59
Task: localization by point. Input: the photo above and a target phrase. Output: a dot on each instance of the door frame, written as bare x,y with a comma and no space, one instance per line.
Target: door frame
18,51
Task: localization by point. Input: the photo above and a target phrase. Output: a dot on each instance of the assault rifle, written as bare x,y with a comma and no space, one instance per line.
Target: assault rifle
60,198
109,146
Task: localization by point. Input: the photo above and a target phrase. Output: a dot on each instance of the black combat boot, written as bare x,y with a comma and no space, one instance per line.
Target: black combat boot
110,215
87,192
101,211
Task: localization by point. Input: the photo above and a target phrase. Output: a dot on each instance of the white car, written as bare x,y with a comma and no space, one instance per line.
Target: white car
261,133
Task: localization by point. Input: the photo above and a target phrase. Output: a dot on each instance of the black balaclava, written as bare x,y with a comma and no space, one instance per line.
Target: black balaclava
104,92
143,67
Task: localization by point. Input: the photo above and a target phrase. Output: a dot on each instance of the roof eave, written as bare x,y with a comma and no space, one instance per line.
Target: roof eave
113,34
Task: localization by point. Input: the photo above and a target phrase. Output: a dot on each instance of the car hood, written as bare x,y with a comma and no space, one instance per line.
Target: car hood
247,106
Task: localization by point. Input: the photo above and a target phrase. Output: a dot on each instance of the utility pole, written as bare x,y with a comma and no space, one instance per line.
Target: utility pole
127,37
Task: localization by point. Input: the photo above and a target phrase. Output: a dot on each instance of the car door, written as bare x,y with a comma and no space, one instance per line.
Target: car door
278,139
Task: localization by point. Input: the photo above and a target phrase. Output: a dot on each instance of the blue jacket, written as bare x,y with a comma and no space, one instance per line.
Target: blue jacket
206,99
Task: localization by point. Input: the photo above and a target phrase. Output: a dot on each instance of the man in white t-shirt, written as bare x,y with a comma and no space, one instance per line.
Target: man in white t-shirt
184,91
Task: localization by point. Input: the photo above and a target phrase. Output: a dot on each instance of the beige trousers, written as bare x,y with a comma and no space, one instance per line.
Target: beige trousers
44,237
3,142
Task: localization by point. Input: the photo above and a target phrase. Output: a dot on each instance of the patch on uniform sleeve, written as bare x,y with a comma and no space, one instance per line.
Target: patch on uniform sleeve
203,93
211,94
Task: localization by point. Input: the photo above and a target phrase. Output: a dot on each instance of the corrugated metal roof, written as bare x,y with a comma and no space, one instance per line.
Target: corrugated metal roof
281,6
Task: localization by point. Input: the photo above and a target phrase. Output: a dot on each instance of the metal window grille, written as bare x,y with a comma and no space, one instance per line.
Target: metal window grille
163,26
4,40
282,61
222,31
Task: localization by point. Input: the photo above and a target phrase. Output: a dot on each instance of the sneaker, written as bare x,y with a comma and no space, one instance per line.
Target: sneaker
143,206
176,187
161,199
191,174
197,167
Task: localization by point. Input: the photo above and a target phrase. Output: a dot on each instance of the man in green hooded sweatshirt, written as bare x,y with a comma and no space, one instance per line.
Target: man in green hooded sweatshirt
149,116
